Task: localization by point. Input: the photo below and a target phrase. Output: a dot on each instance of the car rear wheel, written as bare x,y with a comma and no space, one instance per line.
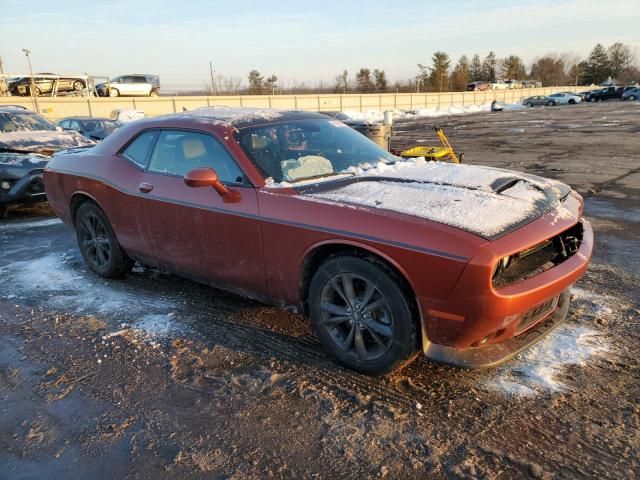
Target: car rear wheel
113,92
78,85
632,97
572,101
528,104
153,94
98,243
362,316
551,103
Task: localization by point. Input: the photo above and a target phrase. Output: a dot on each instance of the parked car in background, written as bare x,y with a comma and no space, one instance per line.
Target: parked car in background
564,98
478,86
603,94
135,85
91,127
125,115
27,140
537,100
44,84
498,85
297,209
513,83
631,94
531,84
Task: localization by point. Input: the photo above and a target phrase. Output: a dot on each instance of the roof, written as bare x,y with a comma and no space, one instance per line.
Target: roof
246,117
84,117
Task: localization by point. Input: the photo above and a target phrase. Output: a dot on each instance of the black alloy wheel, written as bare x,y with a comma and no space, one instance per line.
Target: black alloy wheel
98,243
361,315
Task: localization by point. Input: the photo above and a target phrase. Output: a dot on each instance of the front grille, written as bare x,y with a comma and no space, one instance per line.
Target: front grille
537,312
541,257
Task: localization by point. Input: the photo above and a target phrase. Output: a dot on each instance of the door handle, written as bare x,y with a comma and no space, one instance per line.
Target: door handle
145,187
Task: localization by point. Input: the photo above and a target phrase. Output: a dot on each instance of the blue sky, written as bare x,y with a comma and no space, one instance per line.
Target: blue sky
296,40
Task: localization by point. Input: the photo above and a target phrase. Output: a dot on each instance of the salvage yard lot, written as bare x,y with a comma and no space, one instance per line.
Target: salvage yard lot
158,377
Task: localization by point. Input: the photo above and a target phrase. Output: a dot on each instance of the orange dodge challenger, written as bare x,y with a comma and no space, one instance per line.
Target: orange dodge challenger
386,256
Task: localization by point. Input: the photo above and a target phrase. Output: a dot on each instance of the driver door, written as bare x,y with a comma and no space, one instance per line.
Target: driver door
192,231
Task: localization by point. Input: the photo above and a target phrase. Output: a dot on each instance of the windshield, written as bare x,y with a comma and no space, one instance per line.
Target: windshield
24,121
91,125
305,149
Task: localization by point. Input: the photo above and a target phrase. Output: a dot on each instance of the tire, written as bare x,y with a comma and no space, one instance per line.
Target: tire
98,243
572,101
36,91
631,97
592,99
551,103
528,104
361,315
153,94
113,92
77,85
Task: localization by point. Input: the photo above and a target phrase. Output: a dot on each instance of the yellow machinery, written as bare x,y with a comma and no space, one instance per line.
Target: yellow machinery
435,153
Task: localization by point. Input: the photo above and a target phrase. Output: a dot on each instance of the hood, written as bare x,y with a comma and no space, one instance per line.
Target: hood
15,165
42,141
488,202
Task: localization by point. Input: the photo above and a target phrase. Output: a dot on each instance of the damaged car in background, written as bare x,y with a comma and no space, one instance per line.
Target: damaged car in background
386,256
27,141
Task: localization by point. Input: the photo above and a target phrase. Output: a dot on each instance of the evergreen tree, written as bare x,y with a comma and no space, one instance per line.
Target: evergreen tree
598,68
439,76
461,74
513,68
256,82
489,67
475,69
364,83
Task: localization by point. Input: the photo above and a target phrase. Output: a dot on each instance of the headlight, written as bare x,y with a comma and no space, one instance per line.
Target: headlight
502,264
5,185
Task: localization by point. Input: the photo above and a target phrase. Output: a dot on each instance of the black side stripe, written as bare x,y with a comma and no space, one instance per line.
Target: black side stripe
278,221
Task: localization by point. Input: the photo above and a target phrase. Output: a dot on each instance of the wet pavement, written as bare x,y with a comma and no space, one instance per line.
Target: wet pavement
154,376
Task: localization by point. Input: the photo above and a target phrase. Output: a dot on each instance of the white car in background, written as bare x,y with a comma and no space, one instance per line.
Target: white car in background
566,98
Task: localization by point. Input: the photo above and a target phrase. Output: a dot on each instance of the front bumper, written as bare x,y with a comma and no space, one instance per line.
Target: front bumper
28,189
495,354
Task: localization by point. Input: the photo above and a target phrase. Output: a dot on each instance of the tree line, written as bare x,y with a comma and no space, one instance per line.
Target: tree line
617,62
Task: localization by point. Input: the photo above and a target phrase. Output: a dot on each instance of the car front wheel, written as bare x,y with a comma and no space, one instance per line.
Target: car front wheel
361,315
632,97
98,243
528,104
113,92
78,85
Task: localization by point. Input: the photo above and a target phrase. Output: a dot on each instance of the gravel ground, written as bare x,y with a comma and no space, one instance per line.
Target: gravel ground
158,377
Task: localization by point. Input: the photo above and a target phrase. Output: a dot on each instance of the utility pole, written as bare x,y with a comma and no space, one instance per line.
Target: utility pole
213,82
34,94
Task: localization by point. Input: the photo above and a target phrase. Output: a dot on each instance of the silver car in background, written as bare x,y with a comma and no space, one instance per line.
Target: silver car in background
134,85
564,98
540,100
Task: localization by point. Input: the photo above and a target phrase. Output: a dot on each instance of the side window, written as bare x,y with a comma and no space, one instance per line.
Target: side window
138,150
64,124
178,152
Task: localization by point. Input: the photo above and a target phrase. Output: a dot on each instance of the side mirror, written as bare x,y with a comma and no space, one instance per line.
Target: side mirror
207,177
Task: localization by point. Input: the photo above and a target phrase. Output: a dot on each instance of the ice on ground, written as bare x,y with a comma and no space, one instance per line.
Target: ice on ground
75,289
159,325
13,226
539,368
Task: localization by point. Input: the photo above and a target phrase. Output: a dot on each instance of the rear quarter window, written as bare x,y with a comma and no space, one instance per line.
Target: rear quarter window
139,149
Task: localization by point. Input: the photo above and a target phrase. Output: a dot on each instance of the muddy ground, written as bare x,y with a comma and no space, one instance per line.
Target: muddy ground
158,377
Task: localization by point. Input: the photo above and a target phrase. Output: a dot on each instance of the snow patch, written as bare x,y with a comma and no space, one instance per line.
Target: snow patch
453,194
68,287
14,226
539,368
